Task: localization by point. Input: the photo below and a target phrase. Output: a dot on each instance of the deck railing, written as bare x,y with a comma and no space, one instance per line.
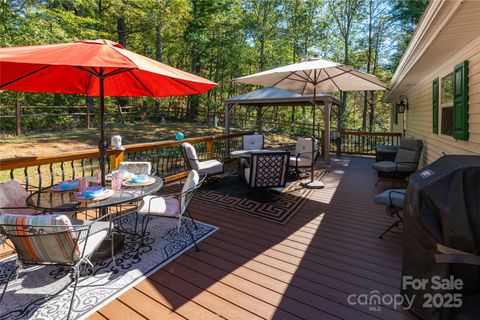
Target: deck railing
165,156
362,142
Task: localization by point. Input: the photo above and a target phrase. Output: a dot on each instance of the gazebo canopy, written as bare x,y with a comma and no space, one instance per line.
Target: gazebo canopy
271,96
275,97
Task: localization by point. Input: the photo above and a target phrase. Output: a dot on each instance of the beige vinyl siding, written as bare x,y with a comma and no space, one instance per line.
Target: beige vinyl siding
419,116
398,128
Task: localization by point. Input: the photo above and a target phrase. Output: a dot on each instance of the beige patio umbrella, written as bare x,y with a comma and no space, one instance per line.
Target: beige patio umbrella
314,75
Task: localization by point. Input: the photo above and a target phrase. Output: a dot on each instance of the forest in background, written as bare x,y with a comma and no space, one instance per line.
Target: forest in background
222,40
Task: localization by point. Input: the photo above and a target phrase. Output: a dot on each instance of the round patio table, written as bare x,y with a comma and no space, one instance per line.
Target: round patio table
62,202
247,153
49,201
244,158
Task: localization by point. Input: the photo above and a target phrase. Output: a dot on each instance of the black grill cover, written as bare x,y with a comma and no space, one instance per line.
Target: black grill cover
442,206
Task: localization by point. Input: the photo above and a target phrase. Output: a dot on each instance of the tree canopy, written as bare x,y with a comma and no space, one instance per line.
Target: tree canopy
225,39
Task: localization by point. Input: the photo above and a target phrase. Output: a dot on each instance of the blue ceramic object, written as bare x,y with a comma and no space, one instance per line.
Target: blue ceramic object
140,178
68,184
179,135
92,192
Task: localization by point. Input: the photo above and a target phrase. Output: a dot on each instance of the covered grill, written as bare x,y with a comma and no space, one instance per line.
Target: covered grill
442,239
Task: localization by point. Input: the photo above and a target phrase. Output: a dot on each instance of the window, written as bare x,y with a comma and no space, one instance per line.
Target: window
446,104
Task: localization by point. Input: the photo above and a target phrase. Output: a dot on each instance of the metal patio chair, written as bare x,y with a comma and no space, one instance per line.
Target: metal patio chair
172,205
208,166
55,240
267,171
405,163
303,158
393,200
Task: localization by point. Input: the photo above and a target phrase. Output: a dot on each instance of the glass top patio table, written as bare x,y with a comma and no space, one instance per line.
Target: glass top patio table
46,200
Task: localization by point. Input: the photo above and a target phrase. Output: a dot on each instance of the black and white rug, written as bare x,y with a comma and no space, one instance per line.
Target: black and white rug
44,292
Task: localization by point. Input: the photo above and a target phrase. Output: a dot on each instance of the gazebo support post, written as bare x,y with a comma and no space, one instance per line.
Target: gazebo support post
326,136
259,119
227,129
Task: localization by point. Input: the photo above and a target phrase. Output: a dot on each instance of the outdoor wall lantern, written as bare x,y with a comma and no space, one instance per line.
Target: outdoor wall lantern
402,104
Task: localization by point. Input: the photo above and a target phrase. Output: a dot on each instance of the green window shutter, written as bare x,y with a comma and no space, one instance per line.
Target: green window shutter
460,101
435,105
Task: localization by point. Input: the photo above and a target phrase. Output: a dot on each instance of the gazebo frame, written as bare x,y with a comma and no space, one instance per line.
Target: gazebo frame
274,97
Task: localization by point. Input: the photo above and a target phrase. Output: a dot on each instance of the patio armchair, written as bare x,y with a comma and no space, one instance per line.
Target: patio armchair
54,240
207,166
253,142
405,163
303,154
393,200
267,171
172,206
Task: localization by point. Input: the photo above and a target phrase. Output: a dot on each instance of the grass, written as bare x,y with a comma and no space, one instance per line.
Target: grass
80,139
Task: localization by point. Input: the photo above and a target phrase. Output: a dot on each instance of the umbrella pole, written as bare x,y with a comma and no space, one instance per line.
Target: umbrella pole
312,183
101,145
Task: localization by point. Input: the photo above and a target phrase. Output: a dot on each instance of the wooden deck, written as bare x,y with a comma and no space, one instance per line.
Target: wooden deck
252,269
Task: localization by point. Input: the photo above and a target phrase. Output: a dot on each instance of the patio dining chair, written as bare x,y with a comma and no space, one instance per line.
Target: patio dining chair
267,171
13,199
302,157
173,205
54,240
405,163
208,166
137,167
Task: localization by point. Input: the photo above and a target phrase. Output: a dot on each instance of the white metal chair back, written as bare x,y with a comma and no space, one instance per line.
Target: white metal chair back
253,142
304,147
191,156
188,190
137,167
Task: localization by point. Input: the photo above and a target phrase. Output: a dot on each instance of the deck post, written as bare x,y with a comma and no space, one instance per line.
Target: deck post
18,129
210,146
116,157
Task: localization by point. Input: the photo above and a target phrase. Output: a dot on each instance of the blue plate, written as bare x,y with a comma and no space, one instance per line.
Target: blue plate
68,184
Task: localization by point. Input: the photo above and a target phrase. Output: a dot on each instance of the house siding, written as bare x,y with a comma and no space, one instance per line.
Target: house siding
419,116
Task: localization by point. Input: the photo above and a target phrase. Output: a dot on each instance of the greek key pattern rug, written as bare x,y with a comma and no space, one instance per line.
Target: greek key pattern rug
44,292
231,194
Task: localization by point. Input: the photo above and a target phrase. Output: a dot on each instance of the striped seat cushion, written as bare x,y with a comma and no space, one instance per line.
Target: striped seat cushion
42,239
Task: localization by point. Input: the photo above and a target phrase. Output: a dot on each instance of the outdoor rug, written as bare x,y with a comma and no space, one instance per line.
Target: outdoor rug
44,292
231,193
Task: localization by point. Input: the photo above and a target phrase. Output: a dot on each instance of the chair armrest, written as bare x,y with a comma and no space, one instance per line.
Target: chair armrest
390,195
38,212
405,162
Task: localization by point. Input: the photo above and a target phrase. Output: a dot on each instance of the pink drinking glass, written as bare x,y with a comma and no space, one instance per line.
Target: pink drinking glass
83,184
117,180
98,176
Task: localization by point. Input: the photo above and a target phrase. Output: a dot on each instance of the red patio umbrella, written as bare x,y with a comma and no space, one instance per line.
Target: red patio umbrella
94,68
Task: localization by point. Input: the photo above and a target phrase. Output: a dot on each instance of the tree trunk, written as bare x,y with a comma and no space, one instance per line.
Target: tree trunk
369,59
121,31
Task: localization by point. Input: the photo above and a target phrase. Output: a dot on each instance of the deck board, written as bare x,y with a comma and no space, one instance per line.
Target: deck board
251,268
